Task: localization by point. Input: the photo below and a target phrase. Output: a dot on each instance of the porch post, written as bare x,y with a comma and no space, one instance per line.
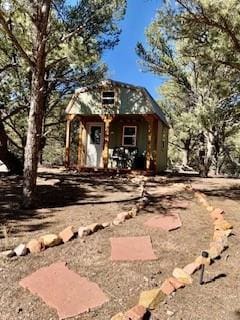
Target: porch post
149,154
154,144
69,118
80,144
67,147
107,120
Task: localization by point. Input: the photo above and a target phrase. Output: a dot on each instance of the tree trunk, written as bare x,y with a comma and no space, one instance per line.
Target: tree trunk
35,119
11,161
185,157
186,152
45,105
205,156
33,139
218,168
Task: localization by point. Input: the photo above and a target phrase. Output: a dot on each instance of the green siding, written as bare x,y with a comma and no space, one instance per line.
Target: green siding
116,129
115,135
133,102
128,101
87,103
142,137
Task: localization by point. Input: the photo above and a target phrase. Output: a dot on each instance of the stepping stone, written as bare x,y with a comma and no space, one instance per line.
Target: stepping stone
132,249
168,222
64,290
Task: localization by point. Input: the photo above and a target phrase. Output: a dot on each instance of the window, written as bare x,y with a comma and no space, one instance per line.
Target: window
129,138
108,97
95,135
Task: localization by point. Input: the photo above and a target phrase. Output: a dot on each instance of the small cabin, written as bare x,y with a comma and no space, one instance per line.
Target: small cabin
116,126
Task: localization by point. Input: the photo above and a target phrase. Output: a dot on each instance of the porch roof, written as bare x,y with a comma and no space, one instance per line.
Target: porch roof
133,100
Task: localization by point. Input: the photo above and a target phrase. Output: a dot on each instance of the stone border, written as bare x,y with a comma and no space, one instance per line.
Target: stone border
51,240
150,299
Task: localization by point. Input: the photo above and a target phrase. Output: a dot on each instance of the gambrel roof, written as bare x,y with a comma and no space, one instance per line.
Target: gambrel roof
136,100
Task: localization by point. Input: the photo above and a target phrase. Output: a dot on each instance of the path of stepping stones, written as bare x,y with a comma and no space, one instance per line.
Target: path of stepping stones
170,221
150,299
72,295
132,249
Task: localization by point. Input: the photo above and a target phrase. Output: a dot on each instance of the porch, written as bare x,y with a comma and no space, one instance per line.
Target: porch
112,142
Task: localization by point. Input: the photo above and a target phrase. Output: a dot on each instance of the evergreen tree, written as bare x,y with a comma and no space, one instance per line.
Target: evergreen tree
56,45
198,94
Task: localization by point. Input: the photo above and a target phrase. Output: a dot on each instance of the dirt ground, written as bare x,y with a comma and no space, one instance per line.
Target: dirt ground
68,198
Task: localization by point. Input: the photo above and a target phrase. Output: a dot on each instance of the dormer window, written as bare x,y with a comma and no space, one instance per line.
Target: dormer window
108,98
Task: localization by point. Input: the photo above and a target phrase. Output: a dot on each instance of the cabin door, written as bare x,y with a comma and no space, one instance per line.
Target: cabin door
95,137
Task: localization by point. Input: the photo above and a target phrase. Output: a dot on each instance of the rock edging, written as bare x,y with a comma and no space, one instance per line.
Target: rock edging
50,240
150,299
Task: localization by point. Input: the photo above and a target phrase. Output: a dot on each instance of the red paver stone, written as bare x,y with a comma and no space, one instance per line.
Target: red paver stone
64,290
167,222
132,249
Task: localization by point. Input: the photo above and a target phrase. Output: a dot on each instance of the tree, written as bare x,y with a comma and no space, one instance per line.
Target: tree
210,31
201,89
179,94
209,28
57,30
16,79
184,124
13,164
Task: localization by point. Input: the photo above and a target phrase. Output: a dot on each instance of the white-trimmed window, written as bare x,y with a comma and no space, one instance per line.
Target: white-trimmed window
129,137
108,98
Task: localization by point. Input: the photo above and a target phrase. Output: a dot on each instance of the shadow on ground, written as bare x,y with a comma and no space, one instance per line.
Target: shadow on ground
232,193
58,190
62,189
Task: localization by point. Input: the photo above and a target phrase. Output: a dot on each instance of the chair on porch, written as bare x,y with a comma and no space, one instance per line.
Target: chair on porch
123,158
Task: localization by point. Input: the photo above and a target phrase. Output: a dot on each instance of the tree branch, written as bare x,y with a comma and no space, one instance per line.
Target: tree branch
15,144
203,18
13,127
6,67
52,64
65,38
15,111
14,40
54,123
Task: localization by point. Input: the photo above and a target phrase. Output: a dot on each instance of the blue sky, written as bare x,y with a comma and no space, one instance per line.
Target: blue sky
122,60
